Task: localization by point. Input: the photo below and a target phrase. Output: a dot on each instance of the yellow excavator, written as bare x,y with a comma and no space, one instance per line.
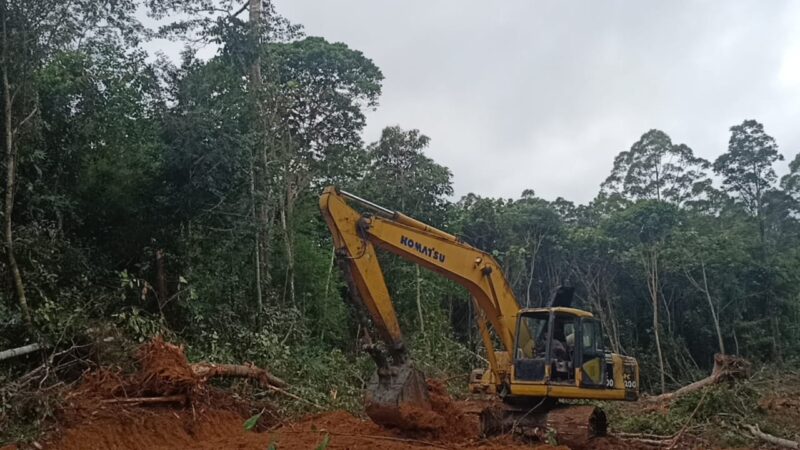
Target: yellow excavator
544,354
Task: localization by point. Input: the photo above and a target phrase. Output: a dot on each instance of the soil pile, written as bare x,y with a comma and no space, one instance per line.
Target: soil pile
165,405
162,370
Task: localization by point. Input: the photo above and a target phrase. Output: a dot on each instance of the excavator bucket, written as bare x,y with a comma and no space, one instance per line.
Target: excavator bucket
397,396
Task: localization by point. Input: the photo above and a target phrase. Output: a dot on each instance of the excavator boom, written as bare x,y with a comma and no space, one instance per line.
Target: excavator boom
397,382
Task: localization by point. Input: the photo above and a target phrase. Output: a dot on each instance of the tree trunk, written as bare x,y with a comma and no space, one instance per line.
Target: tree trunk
255,33
209,370
419,301
534,251
713,309
330,272
287,214
255,84
287,238
10,185
19,351
653,287
257,245
161,281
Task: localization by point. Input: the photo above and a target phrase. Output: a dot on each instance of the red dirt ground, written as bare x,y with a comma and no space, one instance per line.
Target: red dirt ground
93,418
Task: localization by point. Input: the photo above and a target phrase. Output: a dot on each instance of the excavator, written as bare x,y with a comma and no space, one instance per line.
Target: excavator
536,356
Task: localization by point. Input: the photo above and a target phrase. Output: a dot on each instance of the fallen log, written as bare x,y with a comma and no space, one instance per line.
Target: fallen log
141,400
726,367
204,371
774,440
19,351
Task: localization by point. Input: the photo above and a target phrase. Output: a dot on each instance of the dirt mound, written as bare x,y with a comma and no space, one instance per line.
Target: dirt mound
461,418
93,418
163,369
166,405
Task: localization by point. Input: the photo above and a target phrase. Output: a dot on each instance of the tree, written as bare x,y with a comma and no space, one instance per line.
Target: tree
400,176
319,92
790,182
747,167
643,232
31,34
656,169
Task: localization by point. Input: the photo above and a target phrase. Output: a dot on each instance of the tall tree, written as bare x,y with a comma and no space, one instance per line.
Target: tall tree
319,93
790,182
656,169
747,168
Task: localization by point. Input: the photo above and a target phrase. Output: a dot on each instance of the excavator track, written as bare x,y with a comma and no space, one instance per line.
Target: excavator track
569,425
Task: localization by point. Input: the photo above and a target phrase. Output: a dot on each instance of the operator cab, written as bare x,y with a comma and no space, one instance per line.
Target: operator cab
559,345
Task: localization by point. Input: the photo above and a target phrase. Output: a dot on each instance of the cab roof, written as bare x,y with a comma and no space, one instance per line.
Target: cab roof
558,309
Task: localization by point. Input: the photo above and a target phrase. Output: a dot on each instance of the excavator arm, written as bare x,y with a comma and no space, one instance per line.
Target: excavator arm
356,236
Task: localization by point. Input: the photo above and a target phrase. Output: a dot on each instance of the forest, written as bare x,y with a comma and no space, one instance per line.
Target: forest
144,197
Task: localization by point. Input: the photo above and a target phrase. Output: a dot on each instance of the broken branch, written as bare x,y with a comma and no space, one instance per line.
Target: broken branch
19,351
140,400
207,370
775,440
296,397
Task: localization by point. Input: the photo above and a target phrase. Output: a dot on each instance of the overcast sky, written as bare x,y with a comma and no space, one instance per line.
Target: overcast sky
543,94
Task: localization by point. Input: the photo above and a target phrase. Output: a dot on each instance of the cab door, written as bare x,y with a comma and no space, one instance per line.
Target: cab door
532,352
591,353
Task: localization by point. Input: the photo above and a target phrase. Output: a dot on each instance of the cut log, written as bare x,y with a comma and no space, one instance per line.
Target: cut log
207,370
726,367
774,440
19,351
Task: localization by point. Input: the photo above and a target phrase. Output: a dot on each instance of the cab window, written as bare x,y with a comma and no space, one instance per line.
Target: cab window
532,337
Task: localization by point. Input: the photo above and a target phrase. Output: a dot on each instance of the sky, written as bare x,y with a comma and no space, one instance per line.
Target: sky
520,94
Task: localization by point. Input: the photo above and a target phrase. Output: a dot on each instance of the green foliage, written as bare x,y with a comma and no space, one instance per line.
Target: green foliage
656,169
251,423
724,405
325,442
747,166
